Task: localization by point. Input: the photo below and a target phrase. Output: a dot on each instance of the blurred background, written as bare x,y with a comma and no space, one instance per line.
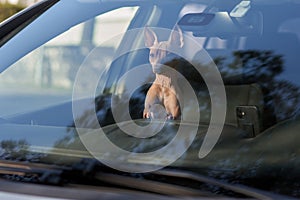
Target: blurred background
10,7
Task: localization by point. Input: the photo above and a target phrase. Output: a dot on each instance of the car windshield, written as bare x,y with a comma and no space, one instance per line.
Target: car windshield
211,87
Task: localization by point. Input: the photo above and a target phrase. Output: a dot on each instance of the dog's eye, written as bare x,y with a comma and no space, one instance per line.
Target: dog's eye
151,55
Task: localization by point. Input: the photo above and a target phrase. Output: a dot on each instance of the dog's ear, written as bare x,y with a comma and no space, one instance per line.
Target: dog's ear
150,37
176,37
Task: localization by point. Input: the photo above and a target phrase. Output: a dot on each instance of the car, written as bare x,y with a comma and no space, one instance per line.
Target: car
156,99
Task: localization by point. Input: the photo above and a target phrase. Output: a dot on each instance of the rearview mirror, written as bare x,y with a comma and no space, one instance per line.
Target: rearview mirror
221,25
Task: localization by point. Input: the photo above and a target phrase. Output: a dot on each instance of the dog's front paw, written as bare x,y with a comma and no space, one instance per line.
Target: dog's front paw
171,117
146,114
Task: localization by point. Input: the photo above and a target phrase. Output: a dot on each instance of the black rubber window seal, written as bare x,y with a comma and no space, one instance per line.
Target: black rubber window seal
16,23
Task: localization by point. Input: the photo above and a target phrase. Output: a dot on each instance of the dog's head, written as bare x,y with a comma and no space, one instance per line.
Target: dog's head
160,50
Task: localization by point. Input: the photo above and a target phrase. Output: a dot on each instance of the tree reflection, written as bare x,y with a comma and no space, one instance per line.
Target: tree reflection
281,97
14,150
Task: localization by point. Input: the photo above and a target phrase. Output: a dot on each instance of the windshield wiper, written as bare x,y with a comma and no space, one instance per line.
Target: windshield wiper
150,185
171,189
87,169
241,189
91,172
32,172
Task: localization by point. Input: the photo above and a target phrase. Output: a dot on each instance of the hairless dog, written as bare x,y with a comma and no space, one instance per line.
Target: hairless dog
164,89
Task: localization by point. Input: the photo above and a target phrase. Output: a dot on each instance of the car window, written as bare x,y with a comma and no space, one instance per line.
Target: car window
257,59
263,59
47,74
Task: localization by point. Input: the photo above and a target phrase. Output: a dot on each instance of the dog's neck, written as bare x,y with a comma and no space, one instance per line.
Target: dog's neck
166,81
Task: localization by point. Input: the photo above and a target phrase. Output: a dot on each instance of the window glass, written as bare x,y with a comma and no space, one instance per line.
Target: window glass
257,56
46,75
111,24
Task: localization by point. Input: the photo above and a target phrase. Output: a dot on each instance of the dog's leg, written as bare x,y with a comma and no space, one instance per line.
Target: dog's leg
151,99
172,106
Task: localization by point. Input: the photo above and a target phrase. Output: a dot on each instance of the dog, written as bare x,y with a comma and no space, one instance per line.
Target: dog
164,90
